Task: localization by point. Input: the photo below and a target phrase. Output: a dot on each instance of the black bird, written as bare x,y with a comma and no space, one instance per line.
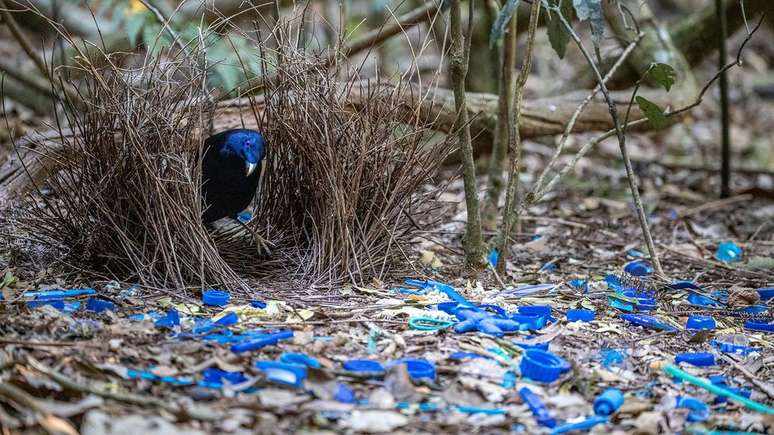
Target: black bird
231,170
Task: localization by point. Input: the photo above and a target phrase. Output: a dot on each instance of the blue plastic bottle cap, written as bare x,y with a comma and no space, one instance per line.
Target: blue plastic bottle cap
760,325
608,402
363,365
417,368
700,323
729,252
216,298
542,366
698,359
580,315
99,305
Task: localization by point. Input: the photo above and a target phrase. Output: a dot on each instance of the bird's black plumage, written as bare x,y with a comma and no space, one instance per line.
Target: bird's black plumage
231,170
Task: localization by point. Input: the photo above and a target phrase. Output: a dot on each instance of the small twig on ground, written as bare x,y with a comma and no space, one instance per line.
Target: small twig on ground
716,204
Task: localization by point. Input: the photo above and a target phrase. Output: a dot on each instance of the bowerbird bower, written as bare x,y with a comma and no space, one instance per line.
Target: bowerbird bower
345,185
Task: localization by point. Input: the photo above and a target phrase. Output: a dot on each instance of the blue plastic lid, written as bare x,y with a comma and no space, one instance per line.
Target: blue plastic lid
580,315
216,298
417,368
363,365
542,366
698,359
760,325
98,305
700,322
729,252
608,402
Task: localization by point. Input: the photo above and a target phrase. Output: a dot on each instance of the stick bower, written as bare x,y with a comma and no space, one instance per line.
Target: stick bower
341,196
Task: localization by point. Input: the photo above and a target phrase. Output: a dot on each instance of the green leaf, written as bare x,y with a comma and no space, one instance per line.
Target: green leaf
591,10
501,21
133,25
655,114
663,74
8,280
557,33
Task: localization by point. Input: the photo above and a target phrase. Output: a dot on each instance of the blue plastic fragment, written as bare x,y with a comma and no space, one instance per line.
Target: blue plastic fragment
288,374
215,298
229,319
492,258
299,359
542,366
646,321
537,310
59,305
444,288
71,307
683,284
612,357
217,376
417,368
58,294
344,394
638,268
245,216
170,320
460,356
258,304
766,293
635,253
548,267
698,359
478,410
364,366
149,376
697,322
613,282
264,341
537,407
509,380
608,402
579,284
734,348
580,315
98,305
493,309
699,411
539,346
760,325
729,252
702,301
530,321
583,425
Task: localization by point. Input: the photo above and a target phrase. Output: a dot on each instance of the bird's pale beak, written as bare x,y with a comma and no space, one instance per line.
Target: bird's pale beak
250,168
